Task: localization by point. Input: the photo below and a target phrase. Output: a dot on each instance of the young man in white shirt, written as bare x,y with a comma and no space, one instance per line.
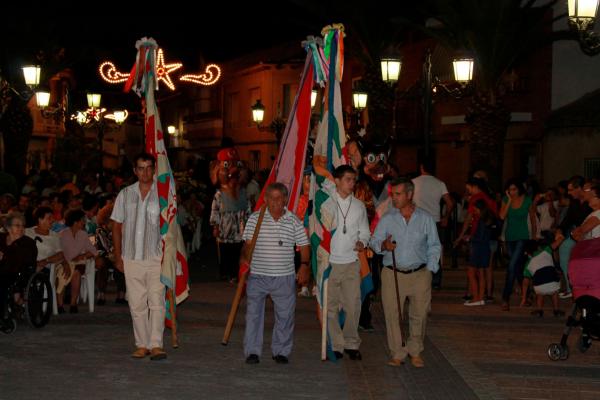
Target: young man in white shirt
350,237
138,253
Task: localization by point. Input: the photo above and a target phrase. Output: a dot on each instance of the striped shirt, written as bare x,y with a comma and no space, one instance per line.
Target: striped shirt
269,258
140,219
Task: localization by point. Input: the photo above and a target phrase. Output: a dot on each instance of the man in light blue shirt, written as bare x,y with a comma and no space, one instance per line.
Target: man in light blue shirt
409,233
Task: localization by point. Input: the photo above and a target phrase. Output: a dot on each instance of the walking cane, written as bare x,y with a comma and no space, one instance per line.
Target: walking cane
398,295
239,293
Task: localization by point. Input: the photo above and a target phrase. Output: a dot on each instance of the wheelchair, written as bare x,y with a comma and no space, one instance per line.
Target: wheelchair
36,308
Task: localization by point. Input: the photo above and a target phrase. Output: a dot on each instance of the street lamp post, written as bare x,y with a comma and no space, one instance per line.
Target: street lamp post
277,125
463,74
95,116
582,16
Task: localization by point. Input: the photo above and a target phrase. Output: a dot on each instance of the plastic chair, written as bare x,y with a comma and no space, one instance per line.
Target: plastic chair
52,268
88,281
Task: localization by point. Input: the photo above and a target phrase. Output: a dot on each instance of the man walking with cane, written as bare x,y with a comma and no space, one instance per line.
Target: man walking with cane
408,234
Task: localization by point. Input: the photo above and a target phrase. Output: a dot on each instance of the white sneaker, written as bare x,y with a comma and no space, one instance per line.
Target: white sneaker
304,292
314,290
474,303
565,295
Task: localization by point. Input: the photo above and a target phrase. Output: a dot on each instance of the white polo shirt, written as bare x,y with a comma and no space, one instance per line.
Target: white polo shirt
274,251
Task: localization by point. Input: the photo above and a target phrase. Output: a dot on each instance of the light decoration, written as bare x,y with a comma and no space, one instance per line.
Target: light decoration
90,115
163,70
118,116
211,75
109,73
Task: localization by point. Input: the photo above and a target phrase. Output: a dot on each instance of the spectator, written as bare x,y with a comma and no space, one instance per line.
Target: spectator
77,249
516,209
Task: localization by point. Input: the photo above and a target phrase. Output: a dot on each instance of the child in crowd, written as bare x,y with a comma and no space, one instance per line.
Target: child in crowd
540,270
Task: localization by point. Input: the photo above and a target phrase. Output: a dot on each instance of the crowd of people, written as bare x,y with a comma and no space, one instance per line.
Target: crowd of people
403,231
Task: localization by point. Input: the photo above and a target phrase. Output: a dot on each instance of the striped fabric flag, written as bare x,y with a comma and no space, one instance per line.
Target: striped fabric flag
289,164
174,272
328,155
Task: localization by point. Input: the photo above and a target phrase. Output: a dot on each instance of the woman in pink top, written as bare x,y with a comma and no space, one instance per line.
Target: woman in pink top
77,248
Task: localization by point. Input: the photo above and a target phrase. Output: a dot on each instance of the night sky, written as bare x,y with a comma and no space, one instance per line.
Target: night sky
195,35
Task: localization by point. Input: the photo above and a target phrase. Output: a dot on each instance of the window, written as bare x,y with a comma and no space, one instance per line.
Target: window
233,110
591,168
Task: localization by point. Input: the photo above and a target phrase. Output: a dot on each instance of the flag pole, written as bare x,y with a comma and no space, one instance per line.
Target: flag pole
239,293
400,318
324,322
174,339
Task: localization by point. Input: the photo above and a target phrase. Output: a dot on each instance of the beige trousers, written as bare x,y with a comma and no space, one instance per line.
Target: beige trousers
417,288
344,292
146,296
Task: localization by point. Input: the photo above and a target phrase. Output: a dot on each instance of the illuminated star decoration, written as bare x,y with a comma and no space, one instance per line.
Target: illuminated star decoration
163,70
210,76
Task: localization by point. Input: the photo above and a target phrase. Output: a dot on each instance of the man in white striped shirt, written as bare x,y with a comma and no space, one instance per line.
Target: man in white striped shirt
272,273
138,251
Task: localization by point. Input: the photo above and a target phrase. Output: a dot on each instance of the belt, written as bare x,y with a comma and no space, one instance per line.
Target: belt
408,271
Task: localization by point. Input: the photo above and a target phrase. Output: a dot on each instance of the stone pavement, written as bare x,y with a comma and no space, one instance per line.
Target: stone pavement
470,353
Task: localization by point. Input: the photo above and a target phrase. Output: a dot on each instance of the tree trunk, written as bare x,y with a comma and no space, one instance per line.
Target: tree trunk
380,105
489,123
17,127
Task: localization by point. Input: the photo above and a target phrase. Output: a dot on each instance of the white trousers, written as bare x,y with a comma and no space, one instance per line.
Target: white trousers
146,296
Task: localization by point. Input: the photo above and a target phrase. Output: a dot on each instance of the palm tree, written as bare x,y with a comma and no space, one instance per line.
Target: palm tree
371,33
500,34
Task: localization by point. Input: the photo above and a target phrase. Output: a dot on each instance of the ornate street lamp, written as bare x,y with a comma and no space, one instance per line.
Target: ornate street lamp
31,74
258,112
277,125
390,69
582,13
463,75
359,99
463,70
582,16
93,100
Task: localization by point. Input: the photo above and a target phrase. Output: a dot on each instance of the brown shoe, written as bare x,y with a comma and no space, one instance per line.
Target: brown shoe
395,362
140,352
417,361
157,353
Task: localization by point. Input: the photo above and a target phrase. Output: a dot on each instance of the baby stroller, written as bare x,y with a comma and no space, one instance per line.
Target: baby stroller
584,275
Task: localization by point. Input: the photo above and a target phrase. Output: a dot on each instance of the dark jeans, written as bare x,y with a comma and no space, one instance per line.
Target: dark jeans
514,270
375,265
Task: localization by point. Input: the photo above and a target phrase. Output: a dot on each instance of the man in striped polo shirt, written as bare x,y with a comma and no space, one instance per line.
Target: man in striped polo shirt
272,273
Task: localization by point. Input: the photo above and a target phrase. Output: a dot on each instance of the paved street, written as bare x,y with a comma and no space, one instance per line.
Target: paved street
471,353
